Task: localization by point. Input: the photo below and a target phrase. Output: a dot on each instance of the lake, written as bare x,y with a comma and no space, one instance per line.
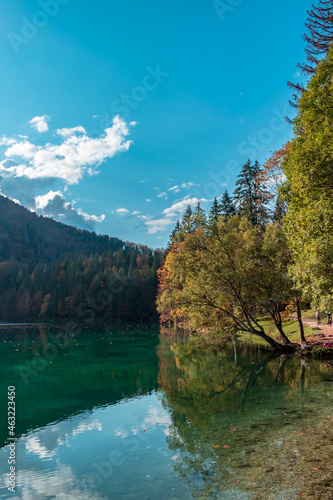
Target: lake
139,413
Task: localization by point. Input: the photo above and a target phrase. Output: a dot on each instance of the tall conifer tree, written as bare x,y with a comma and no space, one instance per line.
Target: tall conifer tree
227,206
250,195
214,212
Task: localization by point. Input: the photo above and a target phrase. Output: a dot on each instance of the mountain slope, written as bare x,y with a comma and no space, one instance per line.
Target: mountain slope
27,237
50,271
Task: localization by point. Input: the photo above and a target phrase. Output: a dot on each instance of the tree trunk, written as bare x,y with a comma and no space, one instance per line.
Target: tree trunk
283,337
300,322
276,345
235,349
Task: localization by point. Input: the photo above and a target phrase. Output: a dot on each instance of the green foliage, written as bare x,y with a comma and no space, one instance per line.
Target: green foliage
191,221
227,205
225,276
214,212
309,172
250,195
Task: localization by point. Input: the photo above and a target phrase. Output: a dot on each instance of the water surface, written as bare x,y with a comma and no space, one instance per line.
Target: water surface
138,414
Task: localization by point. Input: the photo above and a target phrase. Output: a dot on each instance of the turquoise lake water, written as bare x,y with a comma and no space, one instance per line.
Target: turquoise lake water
137,414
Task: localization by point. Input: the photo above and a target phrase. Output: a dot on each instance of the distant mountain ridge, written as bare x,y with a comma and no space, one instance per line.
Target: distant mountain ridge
28,237
53,272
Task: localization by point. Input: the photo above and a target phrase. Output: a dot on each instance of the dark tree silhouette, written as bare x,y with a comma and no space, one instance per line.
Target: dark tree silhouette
227,206
318,40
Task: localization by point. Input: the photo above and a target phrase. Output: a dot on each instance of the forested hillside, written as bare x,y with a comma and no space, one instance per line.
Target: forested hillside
50,271
27,237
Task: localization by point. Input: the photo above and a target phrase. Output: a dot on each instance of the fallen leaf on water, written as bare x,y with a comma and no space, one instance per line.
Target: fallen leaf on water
226,446
317,468
216,446
299,434
234,428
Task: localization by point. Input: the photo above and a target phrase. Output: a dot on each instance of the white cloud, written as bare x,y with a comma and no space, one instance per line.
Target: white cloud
23,149
34,446
184,185
40,123
7,141
53,204
148,200
60,485
122,211
188,185
178,208
44,200
67,132
21,188
91,218
170,214
156,225
136,212
76,155
158,417
84,427
162,195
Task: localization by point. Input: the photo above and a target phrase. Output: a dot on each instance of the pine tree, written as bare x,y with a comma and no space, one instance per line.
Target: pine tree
187,220
227,206
248,196
320,26
199,217
319,39
175,236
214,212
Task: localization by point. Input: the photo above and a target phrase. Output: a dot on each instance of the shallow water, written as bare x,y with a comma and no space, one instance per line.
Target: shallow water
139,414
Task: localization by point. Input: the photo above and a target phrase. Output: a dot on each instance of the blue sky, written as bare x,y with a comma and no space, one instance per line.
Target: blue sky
116,115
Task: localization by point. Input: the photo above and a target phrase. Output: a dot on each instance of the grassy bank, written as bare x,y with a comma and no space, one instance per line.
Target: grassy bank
290,328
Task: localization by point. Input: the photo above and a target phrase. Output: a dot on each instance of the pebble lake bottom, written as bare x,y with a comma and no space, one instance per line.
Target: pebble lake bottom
137,414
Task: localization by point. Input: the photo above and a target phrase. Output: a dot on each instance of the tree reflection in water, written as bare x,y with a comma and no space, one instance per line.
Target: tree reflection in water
230,410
